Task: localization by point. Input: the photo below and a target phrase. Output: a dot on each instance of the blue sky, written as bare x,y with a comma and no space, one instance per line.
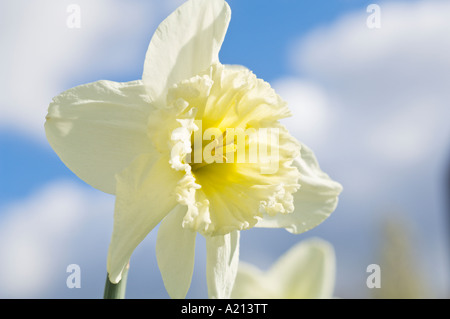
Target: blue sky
371,103
265,29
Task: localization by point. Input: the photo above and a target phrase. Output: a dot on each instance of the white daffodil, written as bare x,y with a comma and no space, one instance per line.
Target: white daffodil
305,271
162,145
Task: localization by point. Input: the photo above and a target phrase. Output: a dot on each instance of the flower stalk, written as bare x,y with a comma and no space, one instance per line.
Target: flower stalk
116,291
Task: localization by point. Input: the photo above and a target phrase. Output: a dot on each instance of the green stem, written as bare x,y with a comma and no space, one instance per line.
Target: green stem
116,291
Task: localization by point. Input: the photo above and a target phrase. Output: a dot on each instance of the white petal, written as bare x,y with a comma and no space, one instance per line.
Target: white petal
185,43
251,284
222,253
306,271
144,197
316,199
175,251
97,129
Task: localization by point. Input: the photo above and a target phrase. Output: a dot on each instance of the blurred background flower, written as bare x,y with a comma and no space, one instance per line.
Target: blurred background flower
306,271
373,103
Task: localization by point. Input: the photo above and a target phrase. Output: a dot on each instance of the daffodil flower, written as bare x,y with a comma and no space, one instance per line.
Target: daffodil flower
306,271
137,139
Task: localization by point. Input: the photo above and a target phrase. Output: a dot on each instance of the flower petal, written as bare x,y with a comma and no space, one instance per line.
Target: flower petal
97,129
222,253
175,251
306,271
251,284
316,199
185,43
144,196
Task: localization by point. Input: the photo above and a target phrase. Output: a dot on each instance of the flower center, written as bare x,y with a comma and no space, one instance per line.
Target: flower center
210,151
214,145
235,153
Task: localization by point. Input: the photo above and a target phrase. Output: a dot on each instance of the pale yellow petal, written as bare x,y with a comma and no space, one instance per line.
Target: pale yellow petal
185,44
175,251
251,284
240,99
306,271
222,258
97,129
316,199
144,197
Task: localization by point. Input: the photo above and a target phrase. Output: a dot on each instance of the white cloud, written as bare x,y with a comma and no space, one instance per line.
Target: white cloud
408,38
388,85
406,136
41,56
309,104
40,235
